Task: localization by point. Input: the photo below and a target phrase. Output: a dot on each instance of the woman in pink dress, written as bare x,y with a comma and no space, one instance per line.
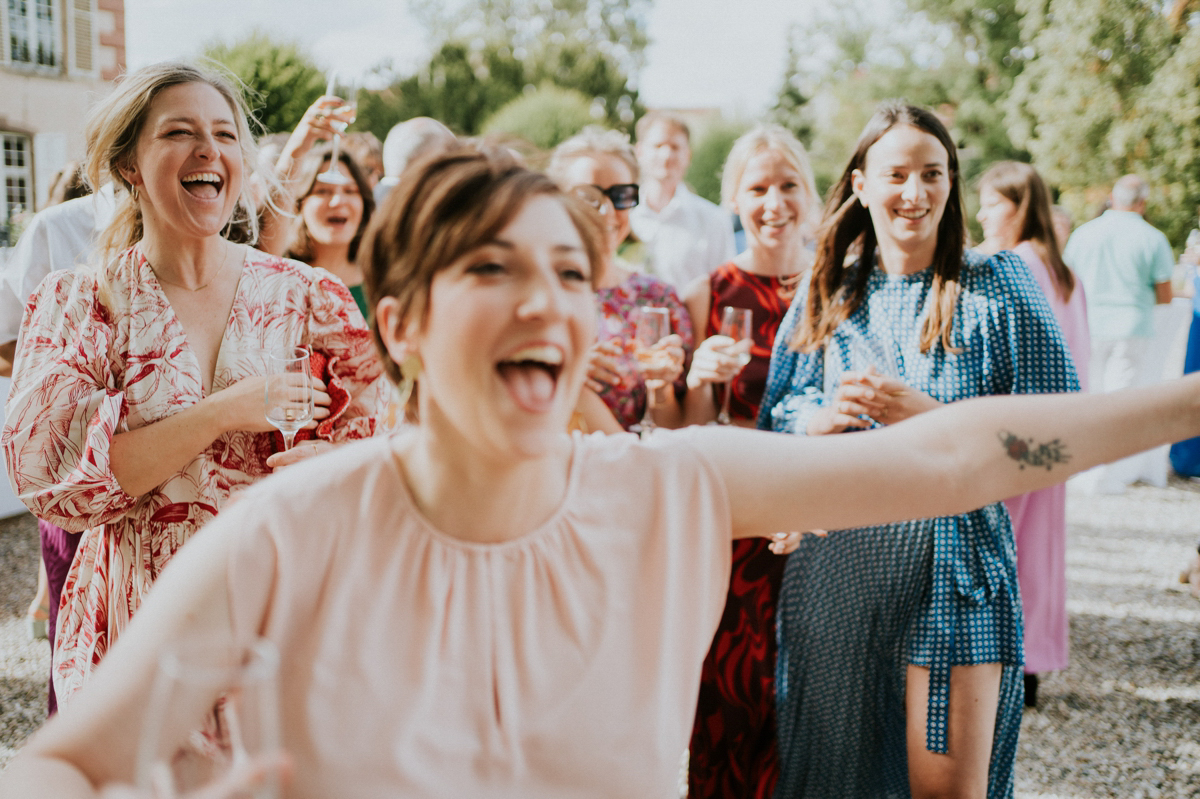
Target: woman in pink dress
1015,212
486,605
137,404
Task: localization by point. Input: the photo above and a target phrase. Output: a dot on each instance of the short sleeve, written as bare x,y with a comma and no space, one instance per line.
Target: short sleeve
1040,359
65,407
794,380
27,264
1164,259
337,329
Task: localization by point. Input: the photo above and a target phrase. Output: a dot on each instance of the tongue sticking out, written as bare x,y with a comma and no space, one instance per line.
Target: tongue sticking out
531,387
205,191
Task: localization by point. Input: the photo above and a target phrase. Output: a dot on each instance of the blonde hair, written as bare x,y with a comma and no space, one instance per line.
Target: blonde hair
776,139
114,125
592,140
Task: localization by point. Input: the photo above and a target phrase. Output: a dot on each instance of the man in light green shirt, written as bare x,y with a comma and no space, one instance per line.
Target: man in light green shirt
1125,266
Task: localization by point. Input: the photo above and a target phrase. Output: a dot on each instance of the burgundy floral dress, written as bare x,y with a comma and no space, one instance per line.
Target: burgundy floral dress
733,749
618,322
97,359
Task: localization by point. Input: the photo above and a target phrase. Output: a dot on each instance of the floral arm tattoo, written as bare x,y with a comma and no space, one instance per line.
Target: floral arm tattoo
1026,453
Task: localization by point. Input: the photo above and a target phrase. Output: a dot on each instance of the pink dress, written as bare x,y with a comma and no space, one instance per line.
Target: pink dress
564,663
1040,518
97,361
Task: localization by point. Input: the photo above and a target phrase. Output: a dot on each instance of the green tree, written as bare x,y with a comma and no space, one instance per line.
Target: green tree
709,151
543,117
283,79
1162,136
491,50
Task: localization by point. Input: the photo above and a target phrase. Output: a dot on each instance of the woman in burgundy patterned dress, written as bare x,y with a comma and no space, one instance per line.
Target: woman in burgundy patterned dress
768,182
599,166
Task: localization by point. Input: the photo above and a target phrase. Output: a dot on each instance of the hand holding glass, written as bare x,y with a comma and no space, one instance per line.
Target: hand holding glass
289,393
653,325
737,324
339,119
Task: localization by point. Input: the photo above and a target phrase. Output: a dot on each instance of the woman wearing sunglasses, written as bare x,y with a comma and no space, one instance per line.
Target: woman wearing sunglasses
600,166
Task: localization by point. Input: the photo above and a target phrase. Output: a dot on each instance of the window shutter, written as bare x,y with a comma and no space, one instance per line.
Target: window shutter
83,36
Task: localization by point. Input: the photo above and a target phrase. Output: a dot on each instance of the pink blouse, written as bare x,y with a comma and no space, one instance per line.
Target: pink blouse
95,360
415,664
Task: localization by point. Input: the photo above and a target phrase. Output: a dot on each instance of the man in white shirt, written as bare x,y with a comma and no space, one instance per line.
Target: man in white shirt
59,237
685,236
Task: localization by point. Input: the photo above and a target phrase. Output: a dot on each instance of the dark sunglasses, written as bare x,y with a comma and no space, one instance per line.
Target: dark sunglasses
623,195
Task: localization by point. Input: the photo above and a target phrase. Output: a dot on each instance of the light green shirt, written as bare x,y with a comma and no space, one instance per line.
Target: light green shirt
1120,257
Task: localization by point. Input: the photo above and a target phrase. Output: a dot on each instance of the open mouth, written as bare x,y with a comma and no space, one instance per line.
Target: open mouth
204,185
913,214
337,221
531,375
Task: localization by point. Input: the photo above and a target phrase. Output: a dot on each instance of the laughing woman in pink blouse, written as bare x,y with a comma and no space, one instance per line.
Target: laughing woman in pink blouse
540,640
137,400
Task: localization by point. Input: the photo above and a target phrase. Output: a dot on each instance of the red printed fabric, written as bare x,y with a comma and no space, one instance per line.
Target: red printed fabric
769,298
618,311
733,748
98,358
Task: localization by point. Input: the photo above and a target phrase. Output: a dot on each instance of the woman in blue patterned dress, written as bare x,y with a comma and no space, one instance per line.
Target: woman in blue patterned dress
900,646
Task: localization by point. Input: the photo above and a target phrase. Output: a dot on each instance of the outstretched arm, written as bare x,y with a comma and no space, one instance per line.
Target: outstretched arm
957,458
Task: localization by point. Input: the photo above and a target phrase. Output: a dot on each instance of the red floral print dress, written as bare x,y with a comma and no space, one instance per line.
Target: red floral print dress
733,749
103,357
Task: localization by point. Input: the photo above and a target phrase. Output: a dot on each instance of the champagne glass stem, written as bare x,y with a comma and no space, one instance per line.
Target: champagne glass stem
647,422
289,438
723,416
333,159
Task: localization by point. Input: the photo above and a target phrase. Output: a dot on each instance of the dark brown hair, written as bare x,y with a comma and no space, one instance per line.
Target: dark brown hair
445,206
835,290
1021,185
300,243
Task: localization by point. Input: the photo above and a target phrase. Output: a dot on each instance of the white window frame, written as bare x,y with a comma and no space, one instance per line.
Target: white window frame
8,172
31,23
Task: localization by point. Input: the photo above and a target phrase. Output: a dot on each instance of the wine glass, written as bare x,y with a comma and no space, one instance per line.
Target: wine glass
653,325
289,394
737,323
214,706
339,119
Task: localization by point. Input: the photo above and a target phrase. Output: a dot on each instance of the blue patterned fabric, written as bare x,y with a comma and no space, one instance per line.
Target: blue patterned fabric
858,606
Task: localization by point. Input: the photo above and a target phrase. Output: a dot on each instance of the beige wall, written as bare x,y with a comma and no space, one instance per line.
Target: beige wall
50,108
32,105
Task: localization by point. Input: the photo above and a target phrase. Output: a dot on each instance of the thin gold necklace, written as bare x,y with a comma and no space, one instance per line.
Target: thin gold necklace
211,280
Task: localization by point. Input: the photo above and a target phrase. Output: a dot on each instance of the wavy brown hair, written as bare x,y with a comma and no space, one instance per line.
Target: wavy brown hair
1021,185
300,243
837,289
444,207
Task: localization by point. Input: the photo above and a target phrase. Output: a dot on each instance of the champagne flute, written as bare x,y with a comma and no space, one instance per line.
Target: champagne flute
339,119
737,323
653,325
289,394
214,706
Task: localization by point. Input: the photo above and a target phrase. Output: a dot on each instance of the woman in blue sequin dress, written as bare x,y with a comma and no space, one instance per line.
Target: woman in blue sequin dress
900,645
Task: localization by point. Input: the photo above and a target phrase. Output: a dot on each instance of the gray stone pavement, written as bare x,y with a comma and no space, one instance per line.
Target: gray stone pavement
1123,720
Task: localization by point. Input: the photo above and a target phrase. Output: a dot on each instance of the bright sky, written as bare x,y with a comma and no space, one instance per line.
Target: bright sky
724,53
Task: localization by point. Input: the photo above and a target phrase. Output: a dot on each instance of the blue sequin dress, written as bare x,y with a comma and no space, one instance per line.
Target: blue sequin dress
858,606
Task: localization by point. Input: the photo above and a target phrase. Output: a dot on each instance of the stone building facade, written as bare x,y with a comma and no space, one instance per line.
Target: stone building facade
56,58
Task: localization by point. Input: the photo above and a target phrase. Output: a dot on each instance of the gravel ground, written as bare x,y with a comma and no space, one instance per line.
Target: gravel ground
1123,720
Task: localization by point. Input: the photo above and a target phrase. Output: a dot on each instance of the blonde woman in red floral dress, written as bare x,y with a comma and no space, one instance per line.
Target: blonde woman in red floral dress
136,408
768,182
